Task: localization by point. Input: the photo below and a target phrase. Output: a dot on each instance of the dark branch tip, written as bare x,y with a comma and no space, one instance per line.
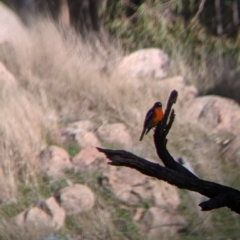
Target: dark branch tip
173,96
106,152
100,149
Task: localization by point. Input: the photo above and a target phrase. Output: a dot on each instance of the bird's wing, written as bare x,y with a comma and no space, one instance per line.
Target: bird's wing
148,117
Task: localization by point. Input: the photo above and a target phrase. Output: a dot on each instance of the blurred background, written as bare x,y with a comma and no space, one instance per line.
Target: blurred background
203,34
75,74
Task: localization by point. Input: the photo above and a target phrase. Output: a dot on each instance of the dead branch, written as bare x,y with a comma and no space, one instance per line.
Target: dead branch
173,172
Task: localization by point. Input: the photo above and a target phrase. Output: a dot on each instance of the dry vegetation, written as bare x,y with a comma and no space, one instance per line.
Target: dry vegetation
60,80
63,78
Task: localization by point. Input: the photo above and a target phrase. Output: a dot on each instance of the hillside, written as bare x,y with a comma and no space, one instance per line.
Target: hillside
62,95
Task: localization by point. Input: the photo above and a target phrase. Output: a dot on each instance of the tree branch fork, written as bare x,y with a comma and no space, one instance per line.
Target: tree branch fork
172,171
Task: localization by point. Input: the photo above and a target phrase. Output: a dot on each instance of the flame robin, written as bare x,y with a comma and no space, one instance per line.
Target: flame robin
153,117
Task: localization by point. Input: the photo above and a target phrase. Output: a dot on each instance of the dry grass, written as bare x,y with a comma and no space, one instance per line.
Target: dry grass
63,78
75,79
67,74
60,80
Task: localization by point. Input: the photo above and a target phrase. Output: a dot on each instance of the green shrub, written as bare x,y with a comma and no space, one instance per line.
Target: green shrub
206,60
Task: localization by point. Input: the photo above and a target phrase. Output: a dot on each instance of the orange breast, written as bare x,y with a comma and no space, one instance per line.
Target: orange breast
158,116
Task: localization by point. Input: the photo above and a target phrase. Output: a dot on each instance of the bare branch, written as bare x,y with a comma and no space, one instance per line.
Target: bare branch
160,140
220,195
173,172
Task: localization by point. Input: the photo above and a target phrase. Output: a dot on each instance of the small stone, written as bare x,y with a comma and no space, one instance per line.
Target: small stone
57,212
161,222
54,161
165,194
115,133
90,159
144,64
87,139
76,199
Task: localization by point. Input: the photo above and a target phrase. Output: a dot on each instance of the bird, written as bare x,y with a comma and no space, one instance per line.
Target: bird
153,117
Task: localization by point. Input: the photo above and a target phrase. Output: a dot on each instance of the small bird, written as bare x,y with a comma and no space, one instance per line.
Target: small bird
153,117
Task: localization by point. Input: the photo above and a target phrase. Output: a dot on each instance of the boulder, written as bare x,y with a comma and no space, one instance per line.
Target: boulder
144,64
31,224
57,212
90,159
44,217
164,195
36,217
214,113
161,222
87,139
115,133
77,198
54,161
206,131
78,127
230,150
82,133
11,26
128,185
139,212
132,187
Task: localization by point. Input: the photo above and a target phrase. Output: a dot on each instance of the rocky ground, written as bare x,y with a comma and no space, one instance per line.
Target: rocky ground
80,196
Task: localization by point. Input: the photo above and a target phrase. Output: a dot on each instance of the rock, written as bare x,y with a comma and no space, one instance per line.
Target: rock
132,187
209,125
36,217
81,132
57,212
129,185
165,195
36,226
214,113
230,150
144,64
11,26
77,198
90,159
41,219
115,133
78,127
6,78
87,139
160,222
54,161
138,214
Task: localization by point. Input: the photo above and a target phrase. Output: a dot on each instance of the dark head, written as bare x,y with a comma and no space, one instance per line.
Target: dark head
157,104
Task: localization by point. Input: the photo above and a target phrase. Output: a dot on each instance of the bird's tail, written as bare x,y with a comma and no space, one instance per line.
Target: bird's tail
141,137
